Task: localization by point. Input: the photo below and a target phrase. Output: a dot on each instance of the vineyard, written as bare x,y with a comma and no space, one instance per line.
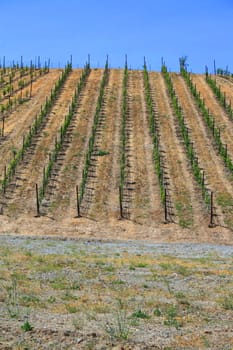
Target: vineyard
133,149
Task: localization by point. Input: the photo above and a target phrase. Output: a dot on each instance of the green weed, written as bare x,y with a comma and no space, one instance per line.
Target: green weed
27,327
102,153
140,314
12,300
119,327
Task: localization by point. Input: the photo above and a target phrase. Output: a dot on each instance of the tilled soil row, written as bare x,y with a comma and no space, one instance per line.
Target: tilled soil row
141,197
20,195
19,121
221,118
216,176
62,200
187,201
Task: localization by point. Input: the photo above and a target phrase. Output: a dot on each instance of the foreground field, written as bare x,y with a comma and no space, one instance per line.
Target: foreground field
68,294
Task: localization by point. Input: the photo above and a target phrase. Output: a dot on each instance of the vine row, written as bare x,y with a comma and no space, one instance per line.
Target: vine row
209,120
93,133
47,171
221,96
197,171
14,99
34,128
157,157
124,113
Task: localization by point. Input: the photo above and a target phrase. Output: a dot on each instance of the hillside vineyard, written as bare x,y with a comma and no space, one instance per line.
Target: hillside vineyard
145,146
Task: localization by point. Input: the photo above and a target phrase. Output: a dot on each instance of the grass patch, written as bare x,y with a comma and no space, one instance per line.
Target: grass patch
119,326
227,302
118,282
71,309
224,200
178,266
184,213
141,265
29,300
171,315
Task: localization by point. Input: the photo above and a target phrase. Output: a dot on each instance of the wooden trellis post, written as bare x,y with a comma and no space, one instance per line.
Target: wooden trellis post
4,181
37,203
165,207
78,204
212,224
120,201
3,126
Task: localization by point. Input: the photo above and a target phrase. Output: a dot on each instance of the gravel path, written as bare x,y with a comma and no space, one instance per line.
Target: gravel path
47,245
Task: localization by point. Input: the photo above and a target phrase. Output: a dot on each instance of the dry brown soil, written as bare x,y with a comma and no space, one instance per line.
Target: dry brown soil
100,206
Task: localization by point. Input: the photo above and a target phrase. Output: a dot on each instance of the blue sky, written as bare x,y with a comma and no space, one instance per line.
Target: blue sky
55,29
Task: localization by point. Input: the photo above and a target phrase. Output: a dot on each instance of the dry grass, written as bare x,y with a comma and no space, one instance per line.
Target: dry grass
142,291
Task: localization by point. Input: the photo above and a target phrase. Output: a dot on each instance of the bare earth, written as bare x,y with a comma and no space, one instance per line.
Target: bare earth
114,276
100,205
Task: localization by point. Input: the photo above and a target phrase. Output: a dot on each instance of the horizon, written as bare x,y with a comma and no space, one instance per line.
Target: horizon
36,61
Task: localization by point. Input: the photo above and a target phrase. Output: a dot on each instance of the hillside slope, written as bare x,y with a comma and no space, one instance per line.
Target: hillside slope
100,206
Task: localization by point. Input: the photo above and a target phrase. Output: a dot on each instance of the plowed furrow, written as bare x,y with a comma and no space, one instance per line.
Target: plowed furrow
221,118
226,87
18,123
22,193
146,206
216,176
126,151
187,203
67,174
5,78
92,178
17,91
105,203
